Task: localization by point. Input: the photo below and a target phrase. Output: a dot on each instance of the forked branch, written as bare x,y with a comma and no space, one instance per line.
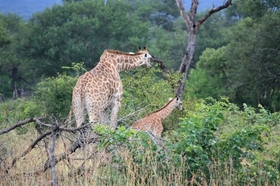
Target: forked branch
212,11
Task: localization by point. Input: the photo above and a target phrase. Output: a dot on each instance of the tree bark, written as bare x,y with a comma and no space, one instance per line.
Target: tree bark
192,28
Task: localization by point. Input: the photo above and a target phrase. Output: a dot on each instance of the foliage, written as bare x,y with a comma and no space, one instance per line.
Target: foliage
211,135
81,31
245,69
4,35
54,94
211,33
253,62
77,68
139,101
199,141
215,141
20,109
13,78
12,111
213,81
168,45
110,137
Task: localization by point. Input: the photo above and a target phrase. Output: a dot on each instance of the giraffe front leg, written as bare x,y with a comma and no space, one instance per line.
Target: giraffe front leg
114,114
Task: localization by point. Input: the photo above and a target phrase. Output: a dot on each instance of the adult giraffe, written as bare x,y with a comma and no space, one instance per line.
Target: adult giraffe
100,89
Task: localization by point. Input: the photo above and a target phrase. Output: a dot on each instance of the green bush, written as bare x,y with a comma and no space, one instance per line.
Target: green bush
146,91
55,95
12,111
203,139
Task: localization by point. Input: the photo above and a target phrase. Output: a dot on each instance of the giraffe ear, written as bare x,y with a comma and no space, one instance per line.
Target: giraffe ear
169,99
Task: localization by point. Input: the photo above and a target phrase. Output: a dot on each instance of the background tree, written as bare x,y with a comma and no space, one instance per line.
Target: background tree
81,31
13,78
246,68
4,34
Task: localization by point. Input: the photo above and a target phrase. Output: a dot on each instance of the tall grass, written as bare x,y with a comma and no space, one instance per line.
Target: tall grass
123,168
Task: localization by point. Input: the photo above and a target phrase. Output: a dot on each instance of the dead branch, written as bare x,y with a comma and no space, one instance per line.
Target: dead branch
161,64
52,158
212,11
18,124
184,14
42,136
72,149
30,147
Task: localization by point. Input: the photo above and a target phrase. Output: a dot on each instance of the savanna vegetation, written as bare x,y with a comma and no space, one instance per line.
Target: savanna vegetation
228,133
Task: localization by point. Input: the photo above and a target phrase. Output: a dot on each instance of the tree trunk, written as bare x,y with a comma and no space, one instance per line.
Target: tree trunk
192,28
186,62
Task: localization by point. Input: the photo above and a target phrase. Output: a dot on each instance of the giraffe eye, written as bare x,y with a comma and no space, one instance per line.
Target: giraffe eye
145,55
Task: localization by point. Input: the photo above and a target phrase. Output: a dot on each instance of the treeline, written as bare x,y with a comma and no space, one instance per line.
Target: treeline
237,51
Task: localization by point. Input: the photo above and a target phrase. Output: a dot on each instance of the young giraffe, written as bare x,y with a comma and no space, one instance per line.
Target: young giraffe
153,122
100,89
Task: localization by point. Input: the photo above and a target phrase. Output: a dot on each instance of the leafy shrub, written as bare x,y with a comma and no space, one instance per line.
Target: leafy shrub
55,94
195,138
146,91
201,141
12,111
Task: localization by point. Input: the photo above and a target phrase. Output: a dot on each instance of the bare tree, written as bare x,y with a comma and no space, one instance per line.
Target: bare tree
192,28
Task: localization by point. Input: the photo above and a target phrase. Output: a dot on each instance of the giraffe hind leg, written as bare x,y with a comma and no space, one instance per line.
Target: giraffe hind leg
93,113
78,110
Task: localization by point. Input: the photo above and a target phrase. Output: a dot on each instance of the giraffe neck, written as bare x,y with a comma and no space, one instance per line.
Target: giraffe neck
129,62
166,110
122,61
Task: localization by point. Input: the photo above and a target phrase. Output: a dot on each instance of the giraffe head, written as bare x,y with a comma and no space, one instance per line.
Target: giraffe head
146,57
178,102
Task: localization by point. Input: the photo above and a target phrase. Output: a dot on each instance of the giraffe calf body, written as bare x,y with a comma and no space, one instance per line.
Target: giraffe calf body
153,122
